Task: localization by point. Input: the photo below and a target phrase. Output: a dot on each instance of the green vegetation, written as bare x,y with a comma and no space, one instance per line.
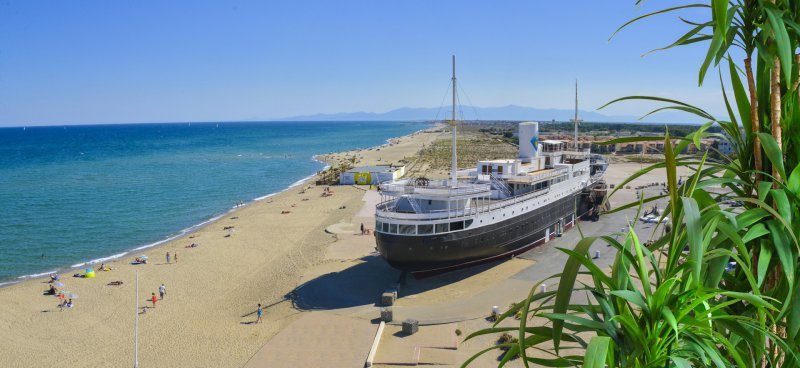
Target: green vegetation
330,176
507,129
675,302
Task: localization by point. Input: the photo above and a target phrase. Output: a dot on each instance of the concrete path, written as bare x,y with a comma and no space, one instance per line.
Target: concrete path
318,339
343,294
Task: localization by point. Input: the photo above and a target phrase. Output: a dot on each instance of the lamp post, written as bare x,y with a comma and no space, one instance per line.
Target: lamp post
136,327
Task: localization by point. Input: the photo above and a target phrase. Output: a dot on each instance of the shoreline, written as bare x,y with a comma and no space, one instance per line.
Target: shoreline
259,253
199,226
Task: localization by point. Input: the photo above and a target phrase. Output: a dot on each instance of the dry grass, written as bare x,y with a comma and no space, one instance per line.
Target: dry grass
433,161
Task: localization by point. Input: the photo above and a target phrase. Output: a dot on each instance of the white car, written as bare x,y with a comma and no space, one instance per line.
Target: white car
654,219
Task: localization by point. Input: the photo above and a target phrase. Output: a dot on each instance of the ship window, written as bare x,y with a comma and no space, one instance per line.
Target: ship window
425,229
393,228
467,223
378,225
385,227
500,170
408,229
458,225
442,228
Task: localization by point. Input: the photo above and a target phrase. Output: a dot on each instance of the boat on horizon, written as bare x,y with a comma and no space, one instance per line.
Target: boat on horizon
498,209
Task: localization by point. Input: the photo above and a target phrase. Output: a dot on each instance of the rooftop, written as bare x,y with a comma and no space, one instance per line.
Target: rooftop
374,168
503,161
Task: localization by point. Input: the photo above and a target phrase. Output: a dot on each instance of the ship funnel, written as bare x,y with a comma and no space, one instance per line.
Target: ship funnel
528,141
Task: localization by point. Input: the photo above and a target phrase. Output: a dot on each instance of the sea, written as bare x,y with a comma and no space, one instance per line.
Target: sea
71,196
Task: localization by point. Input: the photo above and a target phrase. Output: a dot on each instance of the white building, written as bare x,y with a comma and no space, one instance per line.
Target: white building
372,174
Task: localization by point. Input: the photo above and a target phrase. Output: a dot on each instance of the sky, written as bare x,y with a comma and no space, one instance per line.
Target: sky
86,62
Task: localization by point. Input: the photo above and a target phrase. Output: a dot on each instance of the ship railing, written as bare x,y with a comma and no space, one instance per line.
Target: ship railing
437,188
386,210
586,153
537,177
547,175
503,203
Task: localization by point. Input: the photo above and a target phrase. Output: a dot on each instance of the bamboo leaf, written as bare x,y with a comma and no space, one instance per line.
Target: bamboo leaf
695,235
686,38
596,352
793,319
793,184
764,259
667,314
632,297
750,298
565,287
680,362
773,152
695,110
719,15
742,100
755,231
783,249
634,20
783,44
713,49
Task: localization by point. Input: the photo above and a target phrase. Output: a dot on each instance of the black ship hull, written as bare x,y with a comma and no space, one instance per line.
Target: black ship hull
442,252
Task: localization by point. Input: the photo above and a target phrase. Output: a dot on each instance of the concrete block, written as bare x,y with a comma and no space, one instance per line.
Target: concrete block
410,326
387,299
386,314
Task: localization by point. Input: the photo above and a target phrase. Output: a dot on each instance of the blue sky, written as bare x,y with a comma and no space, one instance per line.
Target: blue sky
70,62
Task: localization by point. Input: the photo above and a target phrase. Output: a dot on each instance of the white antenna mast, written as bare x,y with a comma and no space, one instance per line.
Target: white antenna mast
576,120
454,162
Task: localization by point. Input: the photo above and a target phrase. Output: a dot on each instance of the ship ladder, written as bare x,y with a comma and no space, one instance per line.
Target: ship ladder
414,205
500,184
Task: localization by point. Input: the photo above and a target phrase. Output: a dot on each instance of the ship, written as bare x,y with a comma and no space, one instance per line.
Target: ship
499,209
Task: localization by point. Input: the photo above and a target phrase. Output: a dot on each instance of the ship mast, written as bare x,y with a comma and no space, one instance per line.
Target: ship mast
454,159
576,120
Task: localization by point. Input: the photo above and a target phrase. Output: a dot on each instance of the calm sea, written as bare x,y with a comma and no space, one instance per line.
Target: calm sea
74,194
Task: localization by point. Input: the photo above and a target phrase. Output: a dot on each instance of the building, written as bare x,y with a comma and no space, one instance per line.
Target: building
372,174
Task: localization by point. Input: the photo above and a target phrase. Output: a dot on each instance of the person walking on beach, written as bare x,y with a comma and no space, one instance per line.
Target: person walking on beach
259,313
167,257
362,228
162,290
153,298
175,256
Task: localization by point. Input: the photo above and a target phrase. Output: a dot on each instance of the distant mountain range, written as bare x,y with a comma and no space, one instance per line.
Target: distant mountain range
510,112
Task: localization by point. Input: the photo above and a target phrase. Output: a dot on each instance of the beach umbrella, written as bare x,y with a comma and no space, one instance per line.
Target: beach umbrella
58,284
73,296
143,256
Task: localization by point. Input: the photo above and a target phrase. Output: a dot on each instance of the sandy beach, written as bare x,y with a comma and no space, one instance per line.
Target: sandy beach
260,253
205,319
